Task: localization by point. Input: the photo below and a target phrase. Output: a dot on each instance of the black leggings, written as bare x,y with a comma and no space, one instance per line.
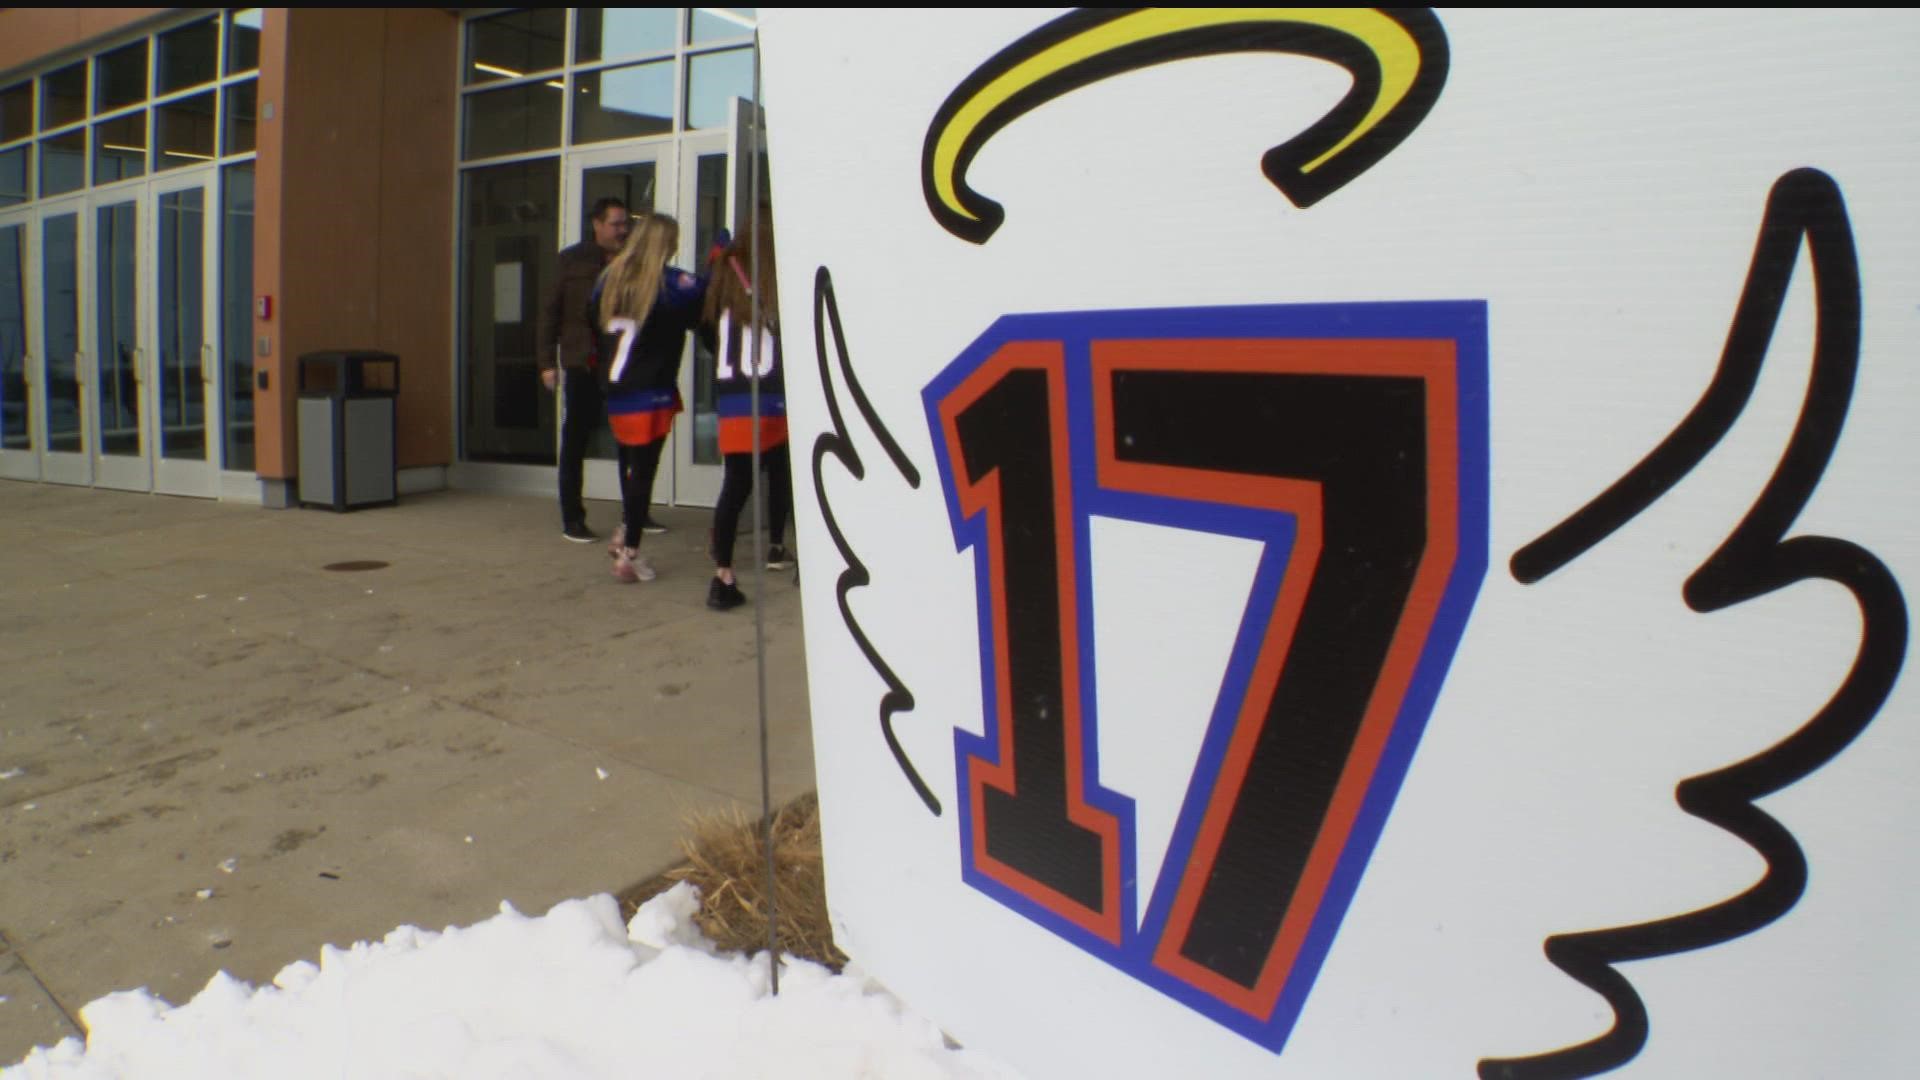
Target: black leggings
738,487
638,464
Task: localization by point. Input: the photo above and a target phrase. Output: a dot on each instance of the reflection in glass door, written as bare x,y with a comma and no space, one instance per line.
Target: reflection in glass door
62,389
183,341
119,444
696,452
710,225
720,175
18,459
632,182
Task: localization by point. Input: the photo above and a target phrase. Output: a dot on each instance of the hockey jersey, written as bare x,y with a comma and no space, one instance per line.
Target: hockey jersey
641,364
738,354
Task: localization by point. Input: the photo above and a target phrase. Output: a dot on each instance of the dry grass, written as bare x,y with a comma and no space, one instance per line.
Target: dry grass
726,857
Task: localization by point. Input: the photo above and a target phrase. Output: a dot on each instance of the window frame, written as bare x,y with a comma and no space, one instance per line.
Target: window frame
87,60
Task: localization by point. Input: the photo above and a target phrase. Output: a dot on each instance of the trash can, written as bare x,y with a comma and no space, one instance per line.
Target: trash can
346,427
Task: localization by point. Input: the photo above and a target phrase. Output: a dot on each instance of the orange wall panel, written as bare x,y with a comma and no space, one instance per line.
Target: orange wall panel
364,211
419,117
30,35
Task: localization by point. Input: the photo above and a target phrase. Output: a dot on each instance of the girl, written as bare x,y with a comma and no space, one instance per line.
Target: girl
642,309
743,349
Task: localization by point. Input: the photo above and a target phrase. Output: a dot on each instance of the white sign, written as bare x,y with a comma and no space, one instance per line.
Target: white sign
1354,544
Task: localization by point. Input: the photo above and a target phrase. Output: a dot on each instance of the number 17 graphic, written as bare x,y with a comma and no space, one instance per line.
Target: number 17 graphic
1351,440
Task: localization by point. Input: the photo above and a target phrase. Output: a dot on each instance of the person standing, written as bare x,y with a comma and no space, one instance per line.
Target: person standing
746,350
643,309
566,354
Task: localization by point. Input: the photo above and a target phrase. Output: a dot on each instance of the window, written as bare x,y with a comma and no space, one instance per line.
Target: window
622,103
241,104
63,96
536,84
614,33
515,44
720,24
512,120
713,81
243,40
141,106
16,168
183,132
16,112
63,163
120,77
187,57
128,136
120,148
681,82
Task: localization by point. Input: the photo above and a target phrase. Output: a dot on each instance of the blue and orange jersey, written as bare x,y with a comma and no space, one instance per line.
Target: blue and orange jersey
639,417
641,364
738,355
649,356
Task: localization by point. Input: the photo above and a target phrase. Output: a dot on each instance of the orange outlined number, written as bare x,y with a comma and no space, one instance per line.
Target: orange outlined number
1360,464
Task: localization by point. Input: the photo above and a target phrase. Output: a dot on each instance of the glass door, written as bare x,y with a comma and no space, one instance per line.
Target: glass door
19,447
715,172
697,470
60,389
642,178
120,360
510,219
180,340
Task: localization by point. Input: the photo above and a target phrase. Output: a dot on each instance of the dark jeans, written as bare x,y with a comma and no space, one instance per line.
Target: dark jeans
583,411
737,487
638,464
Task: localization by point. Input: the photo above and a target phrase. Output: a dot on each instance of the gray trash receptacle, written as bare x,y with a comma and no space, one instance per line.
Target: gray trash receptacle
346,424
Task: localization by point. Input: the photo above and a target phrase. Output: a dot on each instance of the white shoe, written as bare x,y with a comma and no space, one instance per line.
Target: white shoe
642,568
624,570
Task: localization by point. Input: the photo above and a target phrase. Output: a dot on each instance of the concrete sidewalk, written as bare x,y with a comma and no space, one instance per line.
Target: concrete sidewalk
216,754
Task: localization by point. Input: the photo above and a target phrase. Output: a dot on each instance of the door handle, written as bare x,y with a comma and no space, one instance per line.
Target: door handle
206,364
79,368
138,356
26,369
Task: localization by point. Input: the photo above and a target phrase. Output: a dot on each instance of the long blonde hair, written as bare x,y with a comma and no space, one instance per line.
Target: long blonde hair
631,282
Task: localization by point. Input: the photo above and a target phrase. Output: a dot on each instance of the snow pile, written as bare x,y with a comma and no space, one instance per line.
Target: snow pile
569,994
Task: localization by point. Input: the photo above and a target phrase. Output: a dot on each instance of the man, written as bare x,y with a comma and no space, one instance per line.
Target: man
565,355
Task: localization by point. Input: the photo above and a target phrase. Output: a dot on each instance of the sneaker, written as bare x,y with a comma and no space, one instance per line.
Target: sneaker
578,532
778,557
626,569
642,568
723,597
619,540
652,527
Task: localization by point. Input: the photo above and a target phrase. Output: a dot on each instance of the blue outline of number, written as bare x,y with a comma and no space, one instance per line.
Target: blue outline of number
1464,323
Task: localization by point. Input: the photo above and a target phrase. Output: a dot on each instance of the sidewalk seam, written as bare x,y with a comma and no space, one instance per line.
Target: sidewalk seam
7,945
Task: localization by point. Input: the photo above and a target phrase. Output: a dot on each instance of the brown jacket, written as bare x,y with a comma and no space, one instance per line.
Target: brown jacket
563,314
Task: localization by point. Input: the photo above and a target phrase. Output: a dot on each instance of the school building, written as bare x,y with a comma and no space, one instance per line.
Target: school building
192,199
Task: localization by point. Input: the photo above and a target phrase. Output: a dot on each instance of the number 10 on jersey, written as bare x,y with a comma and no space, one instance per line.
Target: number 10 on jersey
1350,441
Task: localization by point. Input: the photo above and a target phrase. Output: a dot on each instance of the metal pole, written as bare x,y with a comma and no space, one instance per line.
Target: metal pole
752,359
